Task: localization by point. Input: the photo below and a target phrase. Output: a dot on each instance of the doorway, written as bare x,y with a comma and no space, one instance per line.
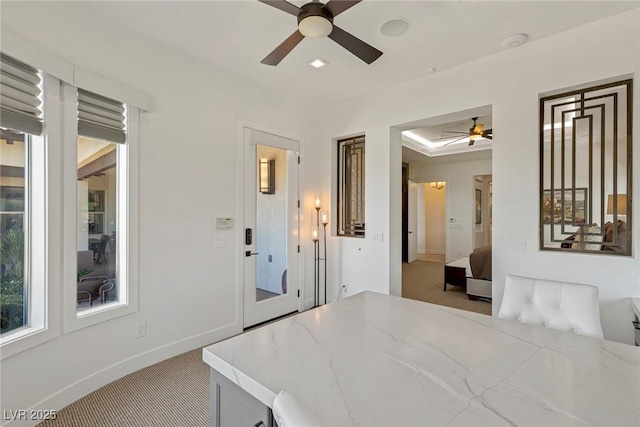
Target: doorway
424,226
433,234
483,200
270,261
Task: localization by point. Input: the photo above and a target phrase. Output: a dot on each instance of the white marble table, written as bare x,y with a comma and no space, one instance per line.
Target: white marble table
373,359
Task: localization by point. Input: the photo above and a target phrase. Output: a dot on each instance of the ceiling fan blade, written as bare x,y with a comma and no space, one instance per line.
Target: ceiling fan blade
455,140
455,131
441,138
336,7
487,136
283,6
354,45
283,49
471,142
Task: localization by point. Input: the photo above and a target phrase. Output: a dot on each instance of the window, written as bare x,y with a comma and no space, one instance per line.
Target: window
22,203
351,187
68,180
101,183
13,289
586,161
95,208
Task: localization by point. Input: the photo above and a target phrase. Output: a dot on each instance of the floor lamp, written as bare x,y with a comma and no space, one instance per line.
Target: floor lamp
315,236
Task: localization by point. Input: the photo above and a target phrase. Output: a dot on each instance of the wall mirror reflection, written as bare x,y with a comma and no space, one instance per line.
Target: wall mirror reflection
585,169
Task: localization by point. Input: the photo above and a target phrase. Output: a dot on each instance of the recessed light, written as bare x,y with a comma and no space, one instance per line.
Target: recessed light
514,41
318,62
395,27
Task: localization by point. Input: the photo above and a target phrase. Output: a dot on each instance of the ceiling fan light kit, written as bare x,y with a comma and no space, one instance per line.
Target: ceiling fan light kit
315,27
315,20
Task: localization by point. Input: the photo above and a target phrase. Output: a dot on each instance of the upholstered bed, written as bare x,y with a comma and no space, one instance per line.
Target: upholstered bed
473,273
456,273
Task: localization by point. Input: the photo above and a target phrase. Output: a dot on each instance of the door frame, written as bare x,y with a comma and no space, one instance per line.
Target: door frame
241,126
412,214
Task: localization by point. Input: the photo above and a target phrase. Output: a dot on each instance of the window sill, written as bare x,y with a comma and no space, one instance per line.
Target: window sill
24,339
93,316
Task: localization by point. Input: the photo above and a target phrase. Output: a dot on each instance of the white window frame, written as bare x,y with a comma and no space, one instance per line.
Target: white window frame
127,226
41,222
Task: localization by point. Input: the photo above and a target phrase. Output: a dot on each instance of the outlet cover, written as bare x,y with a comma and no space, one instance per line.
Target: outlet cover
141,329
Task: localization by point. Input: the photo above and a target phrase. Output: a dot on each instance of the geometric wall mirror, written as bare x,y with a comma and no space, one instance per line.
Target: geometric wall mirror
586,169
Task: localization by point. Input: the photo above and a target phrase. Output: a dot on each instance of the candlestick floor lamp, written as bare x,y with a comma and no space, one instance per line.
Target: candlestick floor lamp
317,253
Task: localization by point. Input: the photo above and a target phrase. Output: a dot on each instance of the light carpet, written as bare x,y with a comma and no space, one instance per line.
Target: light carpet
172,393
423,280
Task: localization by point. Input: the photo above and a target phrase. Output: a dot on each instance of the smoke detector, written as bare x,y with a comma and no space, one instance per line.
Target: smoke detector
515,40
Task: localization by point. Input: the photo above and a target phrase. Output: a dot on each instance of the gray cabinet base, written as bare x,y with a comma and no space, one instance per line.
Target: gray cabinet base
232,406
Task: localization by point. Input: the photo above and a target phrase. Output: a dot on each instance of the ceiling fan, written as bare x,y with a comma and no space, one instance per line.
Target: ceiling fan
476,131
316,20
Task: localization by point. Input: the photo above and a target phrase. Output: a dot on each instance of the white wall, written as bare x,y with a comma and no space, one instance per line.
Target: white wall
510,82
188,289
460,195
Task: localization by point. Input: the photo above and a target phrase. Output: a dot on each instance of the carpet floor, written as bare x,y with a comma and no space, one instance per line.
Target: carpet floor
423,280
172,393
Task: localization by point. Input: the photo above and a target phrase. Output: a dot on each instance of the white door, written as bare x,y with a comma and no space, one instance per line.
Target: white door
413,221
270,250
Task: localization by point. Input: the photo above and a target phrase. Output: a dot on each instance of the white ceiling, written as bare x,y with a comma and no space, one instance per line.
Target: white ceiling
416,159
236,35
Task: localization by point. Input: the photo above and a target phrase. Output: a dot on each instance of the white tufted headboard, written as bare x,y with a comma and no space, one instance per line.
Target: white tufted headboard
564,306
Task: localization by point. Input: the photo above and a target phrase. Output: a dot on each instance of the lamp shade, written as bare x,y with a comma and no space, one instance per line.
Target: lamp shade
622,204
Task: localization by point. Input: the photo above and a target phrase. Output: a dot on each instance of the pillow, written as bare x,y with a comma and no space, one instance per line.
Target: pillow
621,241
588,233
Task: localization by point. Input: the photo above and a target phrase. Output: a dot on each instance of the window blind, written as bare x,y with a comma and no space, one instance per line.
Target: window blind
100,117
20,96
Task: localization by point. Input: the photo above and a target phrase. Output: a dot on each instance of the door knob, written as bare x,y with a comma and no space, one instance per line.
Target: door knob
249,253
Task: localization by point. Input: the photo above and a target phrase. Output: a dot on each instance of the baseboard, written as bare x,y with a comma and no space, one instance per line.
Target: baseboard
79,389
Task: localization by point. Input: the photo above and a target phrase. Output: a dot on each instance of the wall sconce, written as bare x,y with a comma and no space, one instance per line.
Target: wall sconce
439,185
621,208
268,176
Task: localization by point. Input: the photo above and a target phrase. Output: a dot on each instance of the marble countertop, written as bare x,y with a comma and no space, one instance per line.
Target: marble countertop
374,359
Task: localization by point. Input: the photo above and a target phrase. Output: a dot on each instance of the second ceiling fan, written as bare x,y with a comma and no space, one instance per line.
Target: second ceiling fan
476,131
315,20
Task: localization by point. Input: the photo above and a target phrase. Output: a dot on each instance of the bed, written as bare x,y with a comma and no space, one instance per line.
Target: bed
472,273
456,273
